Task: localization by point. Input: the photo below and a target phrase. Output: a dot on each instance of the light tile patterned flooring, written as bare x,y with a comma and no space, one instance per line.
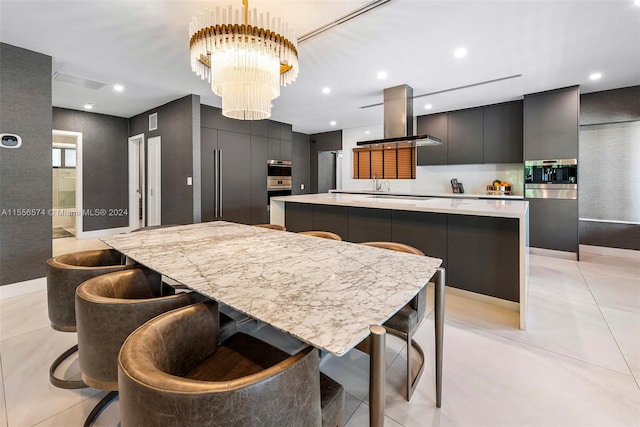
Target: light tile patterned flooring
577,364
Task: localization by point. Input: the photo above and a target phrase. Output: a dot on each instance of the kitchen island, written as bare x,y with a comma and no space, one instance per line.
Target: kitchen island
484,243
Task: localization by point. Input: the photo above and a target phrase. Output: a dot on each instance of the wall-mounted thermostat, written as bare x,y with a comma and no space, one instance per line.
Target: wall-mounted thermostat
9,140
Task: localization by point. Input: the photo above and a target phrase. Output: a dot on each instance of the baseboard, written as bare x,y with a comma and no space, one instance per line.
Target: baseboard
511,305
616,252
94,234
22,288
553,253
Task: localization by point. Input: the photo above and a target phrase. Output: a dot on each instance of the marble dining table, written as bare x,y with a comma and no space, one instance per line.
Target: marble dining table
329,294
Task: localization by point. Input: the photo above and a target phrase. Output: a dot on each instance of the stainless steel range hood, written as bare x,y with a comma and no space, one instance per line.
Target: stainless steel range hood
398,120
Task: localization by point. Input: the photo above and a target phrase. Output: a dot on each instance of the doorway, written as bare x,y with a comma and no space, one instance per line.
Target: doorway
66,213
137,201
154,190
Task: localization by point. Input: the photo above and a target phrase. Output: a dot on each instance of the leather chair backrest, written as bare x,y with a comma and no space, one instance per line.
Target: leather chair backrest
156,356
66,272
111,306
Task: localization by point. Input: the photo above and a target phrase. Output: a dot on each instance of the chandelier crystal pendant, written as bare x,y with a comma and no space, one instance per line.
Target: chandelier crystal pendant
246,61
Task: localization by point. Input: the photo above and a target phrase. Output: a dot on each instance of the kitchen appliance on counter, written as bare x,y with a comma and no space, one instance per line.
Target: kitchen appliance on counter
551,179
456,186
279,181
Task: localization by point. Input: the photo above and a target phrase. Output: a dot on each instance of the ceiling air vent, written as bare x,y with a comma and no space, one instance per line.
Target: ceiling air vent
78,81
153,121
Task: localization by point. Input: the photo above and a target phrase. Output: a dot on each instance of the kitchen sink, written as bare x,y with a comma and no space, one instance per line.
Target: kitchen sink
397,197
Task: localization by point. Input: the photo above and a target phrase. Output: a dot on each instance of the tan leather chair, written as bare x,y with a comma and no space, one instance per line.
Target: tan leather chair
64,274
405,322
272,226
173,372
322,234
108,308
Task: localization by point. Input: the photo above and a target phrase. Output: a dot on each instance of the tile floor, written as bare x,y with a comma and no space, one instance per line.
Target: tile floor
578,364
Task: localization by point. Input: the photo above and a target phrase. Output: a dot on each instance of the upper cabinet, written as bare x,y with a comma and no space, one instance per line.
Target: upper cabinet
502,133
490,134
434,125
464,145
551,124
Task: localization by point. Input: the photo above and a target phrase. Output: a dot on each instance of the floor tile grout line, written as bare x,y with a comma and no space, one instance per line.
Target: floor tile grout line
4,394
608,327
70,407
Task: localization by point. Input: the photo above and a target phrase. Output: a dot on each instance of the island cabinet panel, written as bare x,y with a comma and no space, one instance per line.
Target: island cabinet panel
299,217
368,225
422,230
482,255
502,133
465,144
434,125
331,218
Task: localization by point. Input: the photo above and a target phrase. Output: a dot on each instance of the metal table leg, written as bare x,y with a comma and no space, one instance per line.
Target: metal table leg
439,329
377,375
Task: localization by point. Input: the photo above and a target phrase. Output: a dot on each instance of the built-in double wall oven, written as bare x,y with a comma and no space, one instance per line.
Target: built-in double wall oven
278,178
551,179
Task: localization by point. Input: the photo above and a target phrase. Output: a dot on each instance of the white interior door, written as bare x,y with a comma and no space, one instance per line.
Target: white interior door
136,182
154,191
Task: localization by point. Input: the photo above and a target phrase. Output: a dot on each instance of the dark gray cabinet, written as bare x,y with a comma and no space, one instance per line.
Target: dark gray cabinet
551,124
423,230
369,225
273,149
483,255
259,198
434,125
235,163
553,224
301,162
502,133
464,143
298,217
331,218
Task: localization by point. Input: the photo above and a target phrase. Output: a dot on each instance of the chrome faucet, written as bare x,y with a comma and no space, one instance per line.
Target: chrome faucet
377,185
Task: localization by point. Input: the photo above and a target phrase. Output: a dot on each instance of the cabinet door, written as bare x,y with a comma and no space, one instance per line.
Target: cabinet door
483,255
285,150
273,149
298,217
434,125
464,145
551,125
422,230
553,224
369,225
208,144
259,202
331,218
502,133
235,149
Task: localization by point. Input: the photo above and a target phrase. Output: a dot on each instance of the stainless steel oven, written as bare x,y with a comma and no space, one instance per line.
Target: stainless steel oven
278,179
551,179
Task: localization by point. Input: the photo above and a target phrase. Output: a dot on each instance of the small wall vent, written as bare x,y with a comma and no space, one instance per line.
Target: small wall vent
153,121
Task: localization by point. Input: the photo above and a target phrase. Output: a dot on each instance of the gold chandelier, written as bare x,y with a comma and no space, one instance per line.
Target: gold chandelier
245,62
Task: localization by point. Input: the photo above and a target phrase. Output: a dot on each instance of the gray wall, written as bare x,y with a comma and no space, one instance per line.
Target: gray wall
25,172
300,158
326,141
179,134
104,164
608,168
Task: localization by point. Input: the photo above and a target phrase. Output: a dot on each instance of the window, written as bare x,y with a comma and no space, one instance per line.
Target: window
385,161
63,157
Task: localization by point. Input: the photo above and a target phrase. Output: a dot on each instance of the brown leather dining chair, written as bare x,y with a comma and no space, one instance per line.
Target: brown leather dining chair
322,234
108,308
272,226
174,372
64,274
405,322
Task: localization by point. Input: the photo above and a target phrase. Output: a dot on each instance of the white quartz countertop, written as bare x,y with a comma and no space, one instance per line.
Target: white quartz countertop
434,194
460,206
324,292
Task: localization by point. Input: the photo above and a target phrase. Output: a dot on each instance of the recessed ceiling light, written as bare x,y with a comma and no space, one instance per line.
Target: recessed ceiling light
382,75
460,52
332,123
118,88
326,90
595,76
428,107
367,132
89,106
637,2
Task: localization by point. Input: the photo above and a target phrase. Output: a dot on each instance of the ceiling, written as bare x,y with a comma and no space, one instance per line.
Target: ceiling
142,44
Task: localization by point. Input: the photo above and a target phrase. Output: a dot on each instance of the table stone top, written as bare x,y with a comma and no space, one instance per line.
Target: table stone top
326,293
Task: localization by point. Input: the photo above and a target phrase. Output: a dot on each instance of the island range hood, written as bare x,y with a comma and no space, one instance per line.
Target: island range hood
398,120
